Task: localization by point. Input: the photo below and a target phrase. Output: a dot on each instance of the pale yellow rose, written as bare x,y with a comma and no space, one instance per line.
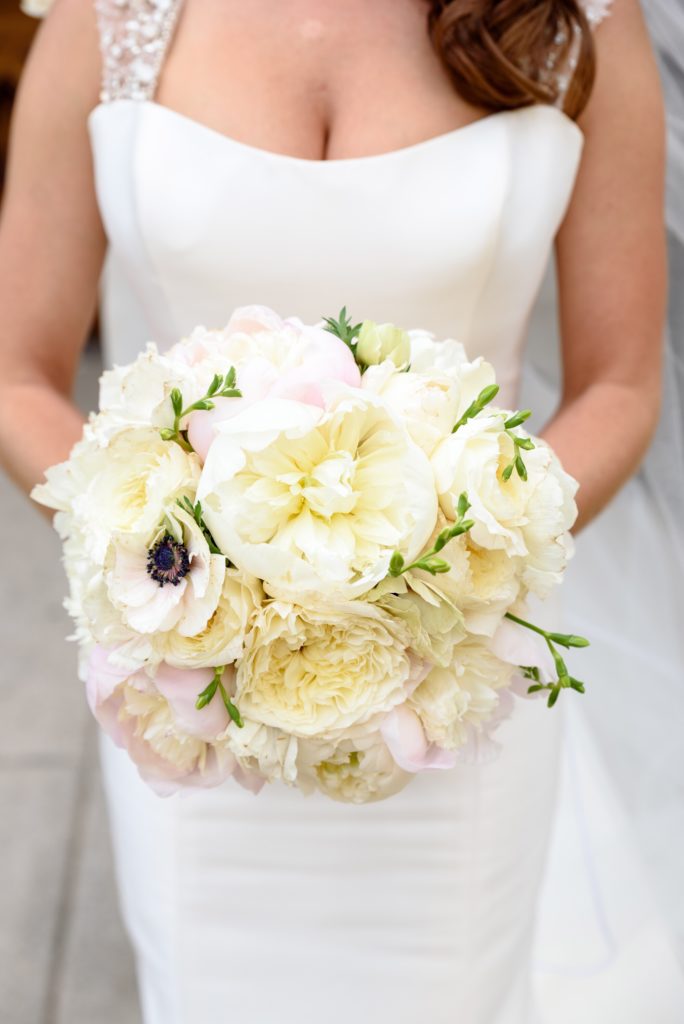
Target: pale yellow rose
222,639
318,672
263,750
435,623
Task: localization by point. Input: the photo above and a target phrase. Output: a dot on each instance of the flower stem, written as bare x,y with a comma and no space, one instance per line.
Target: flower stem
222,386
564,681
429,561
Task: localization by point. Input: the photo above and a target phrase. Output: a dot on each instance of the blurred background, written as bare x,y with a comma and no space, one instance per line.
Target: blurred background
64,958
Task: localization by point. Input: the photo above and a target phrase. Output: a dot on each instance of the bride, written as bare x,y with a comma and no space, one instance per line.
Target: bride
417,161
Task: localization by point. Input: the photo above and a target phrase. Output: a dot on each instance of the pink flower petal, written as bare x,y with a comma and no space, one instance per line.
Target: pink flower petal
405,737
181,687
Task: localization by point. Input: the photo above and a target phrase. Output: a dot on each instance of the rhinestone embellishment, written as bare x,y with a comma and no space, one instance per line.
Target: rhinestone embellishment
134,35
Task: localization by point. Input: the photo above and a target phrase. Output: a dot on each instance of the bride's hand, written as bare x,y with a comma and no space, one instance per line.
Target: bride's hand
52,244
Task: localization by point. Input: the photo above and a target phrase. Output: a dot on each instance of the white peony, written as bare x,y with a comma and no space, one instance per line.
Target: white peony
551,512
311,499
326,671
452,701
429,354
426,403
139,393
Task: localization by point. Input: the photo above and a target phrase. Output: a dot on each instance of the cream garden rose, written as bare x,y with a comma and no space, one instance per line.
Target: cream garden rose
326,671
221,640
311,499
451,701
359,772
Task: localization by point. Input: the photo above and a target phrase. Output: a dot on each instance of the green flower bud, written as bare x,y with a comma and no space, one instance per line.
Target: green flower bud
377,342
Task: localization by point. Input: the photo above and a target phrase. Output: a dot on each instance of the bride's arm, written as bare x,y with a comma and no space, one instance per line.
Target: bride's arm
612,276
51,244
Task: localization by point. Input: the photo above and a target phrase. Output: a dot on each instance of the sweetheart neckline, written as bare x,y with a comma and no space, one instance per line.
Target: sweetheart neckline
346,161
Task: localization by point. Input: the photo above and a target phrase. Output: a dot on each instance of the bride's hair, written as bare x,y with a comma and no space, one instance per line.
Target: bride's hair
502,53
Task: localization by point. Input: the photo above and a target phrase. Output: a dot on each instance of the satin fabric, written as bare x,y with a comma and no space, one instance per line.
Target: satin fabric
281,908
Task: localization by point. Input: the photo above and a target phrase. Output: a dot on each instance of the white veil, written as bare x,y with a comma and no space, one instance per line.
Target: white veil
625,587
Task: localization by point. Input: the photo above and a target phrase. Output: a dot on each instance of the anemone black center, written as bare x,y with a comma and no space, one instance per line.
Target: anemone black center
168,561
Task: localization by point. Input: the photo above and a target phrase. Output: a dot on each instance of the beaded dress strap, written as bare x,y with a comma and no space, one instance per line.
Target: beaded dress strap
595,11
134,37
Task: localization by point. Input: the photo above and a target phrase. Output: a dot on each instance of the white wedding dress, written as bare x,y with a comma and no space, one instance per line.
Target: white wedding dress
283,908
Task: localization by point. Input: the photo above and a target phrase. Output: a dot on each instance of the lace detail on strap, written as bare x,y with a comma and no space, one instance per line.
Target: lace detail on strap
595,11
134,35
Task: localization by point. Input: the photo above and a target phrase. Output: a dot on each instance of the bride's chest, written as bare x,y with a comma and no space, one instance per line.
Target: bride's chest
312,79
452,233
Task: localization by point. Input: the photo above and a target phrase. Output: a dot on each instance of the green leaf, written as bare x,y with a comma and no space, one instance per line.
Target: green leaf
230,393
553,696
526,443
521,468
230,378
508,471
536,688
167,433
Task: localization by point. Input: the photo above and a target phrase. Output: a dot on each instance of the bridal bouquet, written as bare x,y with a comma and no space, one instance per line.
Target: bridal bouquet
302,553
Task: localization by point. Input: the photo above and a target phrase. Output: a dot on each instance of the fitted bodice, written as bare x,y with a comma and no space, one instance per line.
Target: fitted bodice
451,234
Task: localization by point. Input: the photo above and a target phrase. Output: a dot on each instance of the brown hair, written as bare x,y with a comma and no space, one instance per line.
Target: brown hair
506,53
